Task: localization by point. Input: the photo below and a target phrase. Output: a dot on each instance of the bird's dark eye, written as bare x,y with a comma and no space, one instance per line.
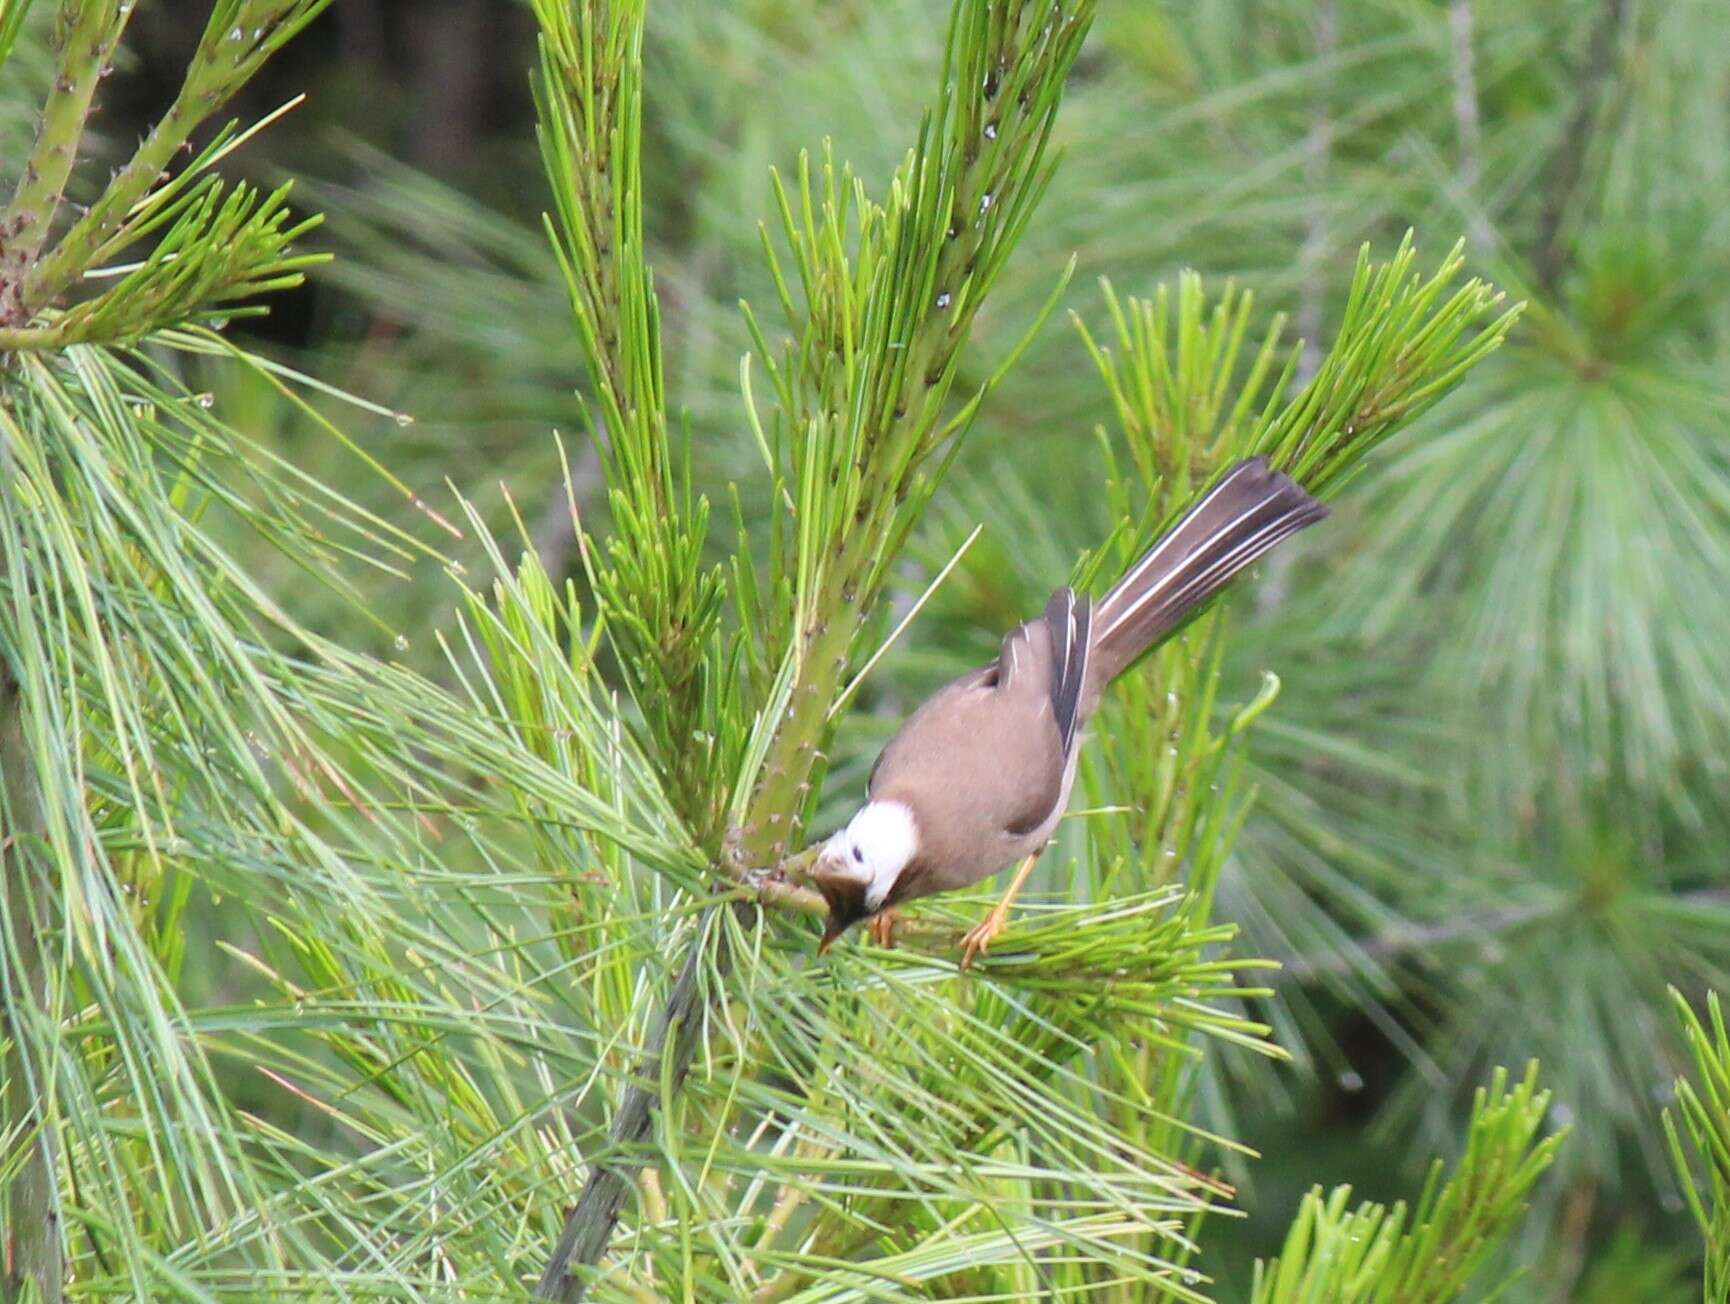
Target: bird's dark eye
859,855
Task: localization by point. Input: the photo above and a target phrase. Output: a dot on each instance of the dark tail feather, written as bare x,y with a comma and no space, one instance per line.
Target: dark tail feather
1244,516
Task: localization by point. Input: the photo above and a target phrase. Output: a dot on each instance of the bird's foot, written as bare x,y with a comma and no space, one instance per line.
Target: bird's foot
981,935
883,929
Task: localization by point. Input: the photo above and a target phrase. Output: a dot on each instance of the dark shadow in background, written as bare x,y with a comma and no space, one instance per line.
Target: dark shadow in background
440,84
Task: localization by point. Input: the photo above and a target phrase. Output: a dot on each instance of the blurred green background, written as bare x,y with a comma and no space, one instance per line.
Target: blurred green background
1494,791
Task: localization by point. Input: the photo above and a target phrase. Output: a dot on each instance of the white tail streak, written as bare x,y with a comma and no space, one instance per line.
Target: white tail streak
1200,554
1162,590
1132,577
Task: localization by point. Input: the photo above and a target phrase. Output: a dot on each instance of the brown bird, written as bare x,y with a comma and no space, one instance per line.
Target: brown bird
979,776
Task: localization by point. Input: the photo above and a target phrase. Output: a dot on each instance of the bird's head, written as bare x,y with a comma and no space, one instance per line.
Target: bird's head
858,866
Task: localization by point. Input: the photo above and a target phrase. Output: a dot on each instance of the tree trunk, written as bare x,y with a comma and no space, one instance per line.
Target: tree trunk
33,1266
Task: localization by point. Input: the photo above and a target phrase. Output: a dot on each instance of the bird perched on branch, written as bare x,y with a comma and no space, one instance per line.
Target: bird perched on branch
979,776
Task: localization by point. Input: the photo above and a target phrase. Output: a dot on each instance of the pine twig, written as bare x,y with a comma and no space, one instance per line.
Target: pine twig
1318,148
954,214
84,37
1701,1114
666,1059
1473,927
1428,1252
1568,162
33,1260
239,37
1466,120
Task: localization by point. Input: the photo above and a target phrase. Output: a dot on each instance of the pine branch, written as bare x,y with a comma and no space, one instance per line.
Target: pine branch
1418,941
84,36
863,386
31,1257
1404,341
927,259
588,1228
218,248
1376,1255
663,602
1568,160
472,1049
238,38
1703,1106
1467,129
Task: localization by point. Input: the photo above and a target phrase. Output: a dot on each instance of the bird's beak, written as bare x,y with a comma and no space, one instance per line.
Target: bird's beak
830,934
844,894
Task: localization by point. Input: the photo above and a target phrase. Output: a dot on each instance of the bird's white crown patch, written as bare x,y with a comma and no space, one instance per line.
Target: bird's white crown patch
875,847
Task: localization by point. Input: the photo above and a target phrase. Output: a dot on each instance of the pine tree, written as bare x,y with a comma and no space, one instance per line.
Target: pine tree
512,974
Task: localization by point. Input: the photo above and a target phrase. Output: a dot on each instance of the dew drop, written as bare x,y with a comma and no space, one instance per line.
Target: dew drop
401,643
985,202
943,299
205,400
991,131
404,419
1351,1081
237,35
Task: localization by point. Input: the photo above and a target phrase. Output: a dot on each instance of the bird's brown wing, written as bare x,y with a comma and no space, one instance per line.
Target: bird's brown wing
1032,712
979,764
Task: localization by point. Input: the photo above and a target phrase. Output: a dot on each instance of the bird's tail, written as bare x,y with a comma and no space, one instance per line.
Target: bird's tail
1243,516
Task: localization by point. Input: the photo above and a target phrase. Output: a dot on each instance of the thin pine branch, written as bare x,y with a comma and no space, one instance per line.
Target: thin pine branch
1373,1254
1703,1108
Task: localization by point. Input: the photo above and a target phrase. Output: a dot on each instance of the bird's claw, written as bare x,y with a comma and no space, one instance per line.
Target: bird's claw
979,938
883,929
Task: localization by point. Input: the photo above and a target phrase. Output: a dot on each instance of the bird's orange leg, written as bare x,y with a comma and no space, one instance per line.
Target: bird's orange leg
883,928
982,934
